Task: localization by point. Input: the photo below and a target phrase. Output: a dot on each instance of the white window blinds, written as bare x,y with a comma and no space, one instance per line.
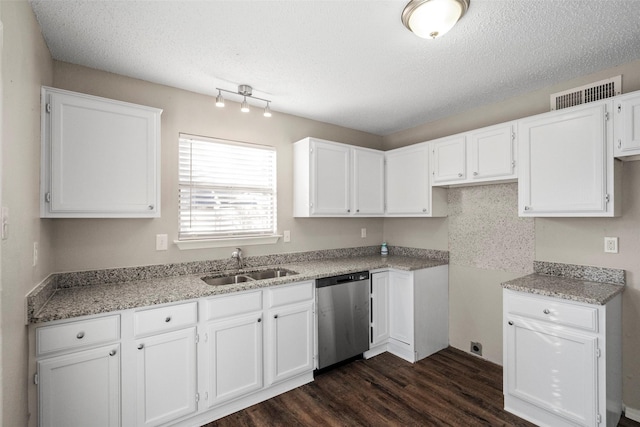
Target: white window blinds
226,189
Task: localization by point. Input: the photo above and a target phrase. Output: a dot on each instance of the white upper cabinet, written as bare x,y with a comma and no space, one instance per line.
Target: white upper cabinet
482,155
408,185
368,182
492,153
100,157
449,160
566,163
334,179
627,126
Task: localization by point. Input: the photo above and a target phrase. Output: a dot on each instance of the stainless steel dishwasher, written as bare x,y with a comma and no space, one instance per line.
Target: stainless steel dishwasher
343,317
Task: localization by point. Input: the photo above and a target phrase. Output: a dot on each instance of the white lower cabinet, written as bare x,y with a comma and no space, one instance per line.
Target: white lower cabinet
166,377
234,357
80,388
379,329
78,373
562,360
290,326
165,363
418,312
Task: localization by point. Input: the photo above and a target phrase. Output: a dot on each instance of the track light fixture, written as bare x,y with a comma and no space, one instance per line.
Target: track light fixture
245,91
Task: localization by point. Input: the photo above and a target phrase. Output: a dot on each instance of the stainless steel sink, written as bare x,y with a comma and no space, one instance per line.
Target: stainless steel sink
226,280
270,274
248,276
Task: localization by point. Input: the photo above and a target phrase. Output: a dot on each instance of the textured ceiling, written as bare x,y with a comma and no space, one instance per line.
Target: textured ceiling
350,63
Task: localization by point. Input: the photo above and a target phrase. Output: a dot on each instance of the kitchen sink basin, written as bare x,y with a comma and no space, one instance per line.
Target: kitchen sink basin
270,274
248,276
226,280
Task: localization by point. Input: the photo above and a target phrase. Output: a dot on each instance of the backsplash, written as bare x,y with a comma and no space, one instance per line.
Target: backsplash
485,230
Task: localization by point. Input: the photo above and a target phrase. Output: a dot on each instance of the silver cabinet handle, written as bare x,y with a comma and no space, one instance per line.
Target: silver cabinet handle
80,335
546,311
140,346
459,175
527,208
619,143
510,323
475,174
348,210
357,210
167,319
112,353
259,319
275,316
424,210
150,207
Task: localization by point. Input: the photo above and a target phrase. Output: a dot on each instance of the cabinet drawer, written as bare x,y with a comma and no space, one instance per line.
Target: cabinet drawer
77,334
290,294
165,318
233,305
555,311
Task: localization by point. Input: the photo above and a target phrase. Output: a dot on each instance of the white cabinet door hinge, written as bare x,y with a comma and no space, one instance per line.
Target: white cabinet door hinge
197,397
619,108
598,353
513,136
197,338
606,116
47,197
598,418
35,379
513,164
607,198
48,108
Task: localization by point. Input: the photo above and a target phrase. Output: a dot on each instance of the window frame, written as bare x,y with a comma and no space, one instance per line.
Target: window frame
196,189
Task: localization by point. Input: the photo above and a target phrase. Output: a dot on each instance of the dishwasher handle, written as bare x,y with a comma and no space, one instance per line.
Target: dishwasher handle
345,278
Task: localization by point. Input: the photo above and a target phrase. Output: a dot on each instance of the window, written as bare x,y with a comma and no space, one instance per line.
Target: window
227,189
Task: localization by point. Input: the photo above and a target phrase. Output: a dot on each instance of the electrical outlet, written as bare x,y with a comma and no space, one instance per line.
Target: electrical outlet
162,242
363,233
476,348
287,236
611,245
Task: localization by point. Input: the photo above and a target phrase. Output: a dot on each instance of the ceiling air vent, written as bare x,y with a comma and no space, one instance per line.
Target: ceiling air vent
588,93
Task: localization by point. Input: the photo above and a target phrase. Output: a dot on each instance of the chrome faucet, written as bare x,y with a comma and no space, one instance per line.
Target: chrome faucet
237,254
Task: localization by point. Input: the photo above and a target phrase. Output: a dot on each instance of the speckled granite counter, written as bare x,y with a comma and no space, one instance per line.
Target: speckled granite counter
56,301
591,285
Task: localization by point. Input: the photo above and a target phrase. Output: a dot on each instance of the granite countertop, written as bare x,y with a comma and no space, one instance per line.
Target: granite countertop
590,285
75,301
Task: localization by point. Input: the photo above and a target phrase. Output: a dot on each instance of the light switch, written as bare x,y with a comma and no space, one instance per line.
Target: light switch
363,233
287,236
161,242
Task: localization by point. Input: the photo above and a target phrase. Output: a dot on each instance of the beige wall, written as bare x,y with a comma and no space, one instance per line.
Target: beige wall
26,65
475,293
89,244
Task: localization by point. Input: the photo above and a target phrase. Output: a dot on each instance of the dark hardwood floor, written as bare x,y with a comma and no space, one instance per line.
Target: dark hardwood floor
449,388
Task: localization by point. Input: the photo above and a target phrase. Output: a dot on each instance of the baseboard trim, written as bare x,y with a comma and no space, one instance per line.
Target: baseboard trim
632,414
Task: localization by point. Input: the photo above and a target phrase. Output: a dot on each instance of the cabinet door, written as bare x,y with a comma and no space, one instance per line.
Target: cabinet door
563,163
166,377
449,160
627,118
330,179
368,182
290,348
235,358
100,157
80,389
408,189
379,308
401,307
492,153
552,368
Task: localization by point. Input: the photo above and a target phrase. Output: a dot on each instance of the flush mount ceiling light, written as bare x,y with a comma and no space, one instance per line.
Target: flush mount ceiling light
245,91
433,18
